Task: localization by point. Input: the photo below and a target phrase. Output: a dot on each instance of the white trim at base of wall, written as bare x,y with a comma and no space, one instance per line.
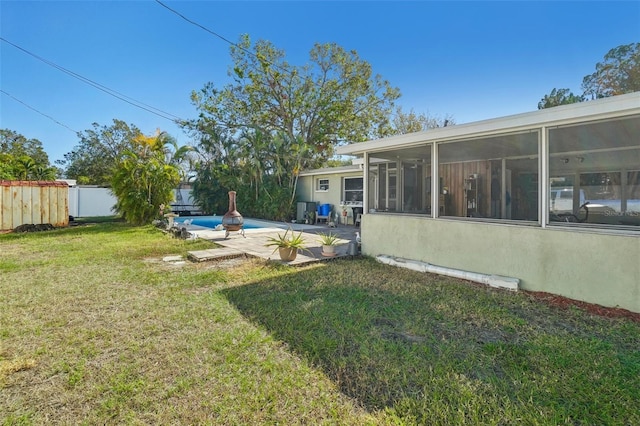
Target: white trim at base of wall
497,281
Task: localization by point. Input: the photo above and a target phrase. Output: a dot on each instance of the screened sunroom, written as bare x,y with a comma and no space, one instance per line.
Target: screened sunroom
526,196
593,173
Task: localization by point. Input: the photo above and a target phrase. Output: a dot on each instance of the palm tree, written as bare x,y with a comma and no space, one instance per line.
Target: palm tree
43,173
144,180
25,166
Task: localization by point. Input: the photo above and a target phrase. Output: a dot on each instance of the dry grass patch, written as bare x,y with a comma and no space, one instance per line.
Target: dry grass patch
9,366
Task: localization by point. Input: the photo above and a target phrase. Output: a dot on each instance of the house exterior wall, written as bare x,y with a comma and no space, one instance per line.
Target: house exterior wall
589,147
601,268
306,190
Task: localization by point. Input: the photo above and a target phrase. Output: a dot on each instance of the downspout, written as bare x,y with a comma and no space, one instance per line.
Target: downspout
365,184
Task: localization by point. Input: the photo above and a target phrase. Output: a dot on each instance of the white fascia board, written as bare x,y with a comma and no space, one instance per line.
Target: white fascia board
332,171
615,106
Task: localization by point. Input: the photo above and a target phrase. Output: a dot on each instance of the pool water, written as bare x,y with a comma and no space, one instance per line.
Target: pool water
212,222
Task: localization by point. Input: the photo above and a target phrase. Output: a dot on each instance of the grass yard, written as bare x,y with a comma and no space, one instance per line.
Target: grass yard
96,329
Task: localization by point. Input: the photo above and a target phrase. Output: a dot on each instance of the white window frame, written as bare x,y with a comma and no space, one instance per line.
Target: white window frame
322,185
344,190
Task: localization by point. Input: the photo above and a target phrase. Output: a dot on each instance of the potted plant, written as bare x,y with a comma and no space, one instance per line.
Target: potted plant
311,217
287,244
329,242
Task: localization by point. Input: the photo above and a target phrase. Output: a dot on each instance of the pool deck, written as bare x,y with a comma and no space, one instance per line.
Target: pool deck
254,240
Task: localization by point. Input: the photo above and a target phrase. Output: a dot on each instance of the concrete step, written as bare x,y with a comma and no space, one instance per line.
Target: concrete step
214,254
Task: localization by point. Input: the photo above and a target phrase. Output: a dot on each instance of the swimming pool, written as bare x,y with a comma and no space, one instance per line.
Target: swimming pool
213,221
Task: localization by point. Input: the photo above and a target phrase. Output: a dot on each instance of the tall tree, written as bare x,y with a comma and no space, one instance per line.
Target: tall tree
25,167
17,145
23,159
334,97
411,121
93,160
619,73
254,163
559,97
298,112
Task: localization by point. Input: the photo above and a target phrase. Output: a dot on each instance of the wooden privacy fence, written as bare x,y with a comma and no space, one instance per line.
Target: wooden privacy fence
33,202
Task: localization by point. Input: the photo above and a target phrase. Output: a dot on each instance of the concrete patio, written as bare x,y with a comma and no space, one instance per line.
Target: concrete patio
254,240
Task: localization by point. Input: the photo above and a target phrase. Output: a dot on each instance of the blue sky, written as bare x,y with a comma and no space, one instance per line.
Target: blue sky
471,60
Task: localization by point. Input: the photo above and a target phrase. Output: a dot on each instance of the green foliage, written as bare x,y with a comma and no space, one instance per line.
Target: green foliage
24,168
413,122
258,167
559,97
279,119
7,167
93,160
328,239
23,159
336,162
18,146
143,180
619,73
333,97
208,191
287,240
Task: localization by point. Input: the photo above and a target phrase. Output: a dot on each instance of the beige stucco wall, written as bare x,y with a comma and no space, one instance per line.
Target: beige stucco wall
601,268
306,189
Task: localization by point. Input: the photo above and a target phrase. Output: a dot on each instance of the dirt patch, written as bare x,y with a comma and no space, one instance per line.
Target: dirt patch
566,303
226,263
30,227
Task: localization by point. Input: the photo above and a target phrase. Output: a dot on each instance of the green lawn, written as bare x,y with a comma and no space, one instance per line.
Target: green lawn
96,329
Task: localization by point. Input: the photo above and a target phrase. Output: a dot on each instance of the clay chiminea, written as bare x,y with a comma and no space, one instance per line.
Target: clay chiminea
232,220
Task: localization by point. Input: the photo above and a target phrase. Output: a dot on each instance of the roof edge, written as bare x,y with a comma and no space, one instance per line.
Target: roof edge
626,104
331,170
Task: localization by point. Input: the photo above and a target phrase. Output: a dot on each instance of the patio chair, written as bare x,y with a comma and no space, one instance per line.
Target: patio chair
357,216
326,218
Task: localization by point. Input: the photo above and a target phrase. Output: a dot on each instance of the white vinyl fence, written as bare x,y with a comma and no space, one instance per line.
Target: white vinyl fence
85,201
90,201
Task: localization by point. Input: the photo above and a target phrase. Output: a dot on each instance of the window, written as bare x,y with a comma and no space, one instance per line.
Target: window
399,180
353,190
598,163
322,184
493,177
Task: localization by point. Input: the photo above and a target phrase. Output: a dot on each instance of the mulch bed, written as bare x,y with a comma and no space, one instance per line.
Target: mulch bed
565,303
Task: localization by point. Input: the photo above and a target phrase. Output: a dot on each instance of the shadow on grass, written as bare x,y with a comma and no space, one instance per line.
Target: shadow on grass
83,229
99,219
392,338
89,226
377,344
